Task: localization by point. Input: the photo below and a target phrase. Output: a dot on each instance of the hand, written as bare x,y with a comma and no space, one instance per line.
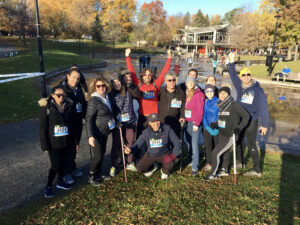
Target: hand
182,121
215,132
46,151
195,128
231,57
169,157
237,131
169,53
77,148
92,141
127,52
127,150
263,130
214,125
209,130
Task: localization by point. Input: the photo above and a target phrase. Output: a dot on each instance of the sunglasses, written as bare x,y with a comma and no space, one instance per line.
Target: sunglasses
248,75
60,95
171,80
148,74
209,91
100,85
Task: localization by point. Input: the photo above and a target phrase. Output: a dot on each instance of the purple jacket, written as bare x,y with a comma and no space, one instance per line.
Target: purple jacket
194,108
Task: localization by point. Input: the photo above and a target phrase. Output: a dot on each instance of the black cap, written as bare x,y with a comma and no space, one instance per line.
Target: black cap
153,117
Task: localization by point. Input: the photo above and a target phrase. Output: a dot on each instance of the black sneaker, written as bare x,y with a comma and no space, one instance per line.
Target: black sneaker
210,177
63,185
94,181
48,192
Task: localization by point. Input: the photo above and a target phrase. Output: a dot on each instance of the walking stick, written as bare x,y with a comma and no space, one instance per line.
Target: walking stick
91,153
182,142
123,154
234,158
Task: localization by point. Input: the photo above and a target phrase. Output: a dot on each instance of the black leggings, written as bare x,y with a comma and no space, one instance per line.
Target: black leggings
98,154
58,162
210,142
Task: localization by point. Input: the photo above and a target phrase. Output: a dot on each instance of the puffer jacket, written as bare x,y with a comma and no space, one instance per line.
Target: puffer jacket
98,117
57,130
210,111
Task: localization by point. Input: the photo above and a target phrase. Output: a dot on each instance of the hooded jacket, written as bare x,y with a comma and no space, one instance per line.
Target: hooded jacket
194,108
211,111
57,130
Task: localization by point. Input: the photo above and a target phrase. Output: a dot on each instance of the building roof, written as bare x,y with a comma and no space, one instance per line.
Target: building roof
199,30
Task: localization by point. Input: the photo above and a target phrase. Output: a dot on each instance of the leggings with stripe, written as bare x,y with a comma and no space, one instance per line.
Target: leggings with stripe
221,151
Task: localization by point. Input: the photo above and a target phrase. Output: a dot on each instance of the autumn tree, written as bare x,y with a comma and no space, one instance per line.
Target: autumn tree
231,16
175,23
140,27
215,20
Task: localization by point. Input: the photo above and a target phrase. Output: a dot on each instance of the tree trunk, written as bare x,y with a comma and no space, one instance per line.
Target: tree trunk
289,56
79,47
296,52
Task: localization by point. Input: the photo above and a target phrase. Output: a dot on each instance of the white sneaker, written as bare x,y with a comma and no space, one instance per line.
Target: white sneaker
150,173
68,179
112,172
77,173
164,176
131,167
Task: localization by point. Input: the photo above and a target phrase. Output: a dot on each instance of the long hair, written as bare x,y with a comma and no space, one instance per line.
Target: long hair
92,86
143,73
190,93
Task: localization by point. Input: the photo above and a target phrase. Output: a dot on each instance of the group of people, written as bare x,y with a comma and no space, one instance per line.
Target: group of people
153,137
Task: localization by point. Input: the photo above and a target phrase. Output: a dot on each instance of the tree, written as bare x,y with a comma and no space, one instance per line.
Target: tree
187,20
230,17
175,23
199,20
215,20
97,29
140,26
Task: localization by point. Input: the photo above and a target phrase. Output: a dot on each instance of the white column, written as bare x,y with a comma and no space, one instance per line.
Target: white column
214,37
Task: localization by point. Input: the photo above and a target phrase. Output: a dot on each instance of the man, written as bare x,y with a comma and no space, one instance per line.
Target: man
253,99
157,137
74,92
171,104
148,59
177,69
191,73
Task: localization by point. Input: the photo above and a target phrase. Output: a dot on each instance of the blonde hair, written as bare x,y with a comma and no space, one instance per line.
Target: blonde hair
210,77
92,86
190,93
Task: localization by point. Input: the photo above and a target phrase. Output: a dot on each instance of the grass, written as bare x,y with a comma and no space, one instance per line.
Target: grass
182,199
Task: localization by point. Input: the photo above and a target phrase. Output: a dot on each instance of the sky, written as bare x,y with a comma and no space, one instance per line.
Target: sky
210,7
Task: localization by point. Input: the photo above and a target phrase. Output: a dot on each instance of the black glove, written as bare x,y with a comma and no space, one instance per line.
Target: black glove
214,125
237,131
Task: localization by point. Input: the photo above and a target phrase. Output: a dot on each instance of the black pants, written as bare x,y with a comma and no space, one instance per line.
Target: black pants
249,134
173,122
210,142
221,150
58,161
214,68
98,154
147,161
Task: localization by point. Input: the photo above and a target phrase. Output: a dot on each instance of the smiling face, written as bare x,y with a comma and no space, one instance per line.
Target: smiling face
59,96
209,93
101,88
170,81
127,79
246,78
211,80
155,125
147,77
73,79
190,85
223,95
192,74
117,85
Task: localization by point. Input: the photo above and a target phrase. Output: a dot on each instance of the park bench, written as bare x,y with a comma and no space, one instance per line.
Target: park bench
292,76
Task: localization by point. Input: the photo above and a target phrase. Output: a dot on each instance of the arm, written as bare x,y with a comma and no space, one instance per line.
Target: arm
159,81
130,67
139,142
243,114
205,120
44,129
91,116
263,111
83,82
135,92
182,103
233,76
199,109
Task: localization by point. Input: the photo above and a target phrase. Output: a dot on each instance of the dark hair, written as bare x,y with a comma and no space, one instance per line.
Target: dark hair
56,88
72,69
193,70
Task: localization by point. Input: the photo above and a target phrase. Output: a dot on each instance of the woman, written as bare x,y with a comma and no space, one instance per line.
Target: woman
232,120
194,103
210,116
215,62
122,95
99,124
57,134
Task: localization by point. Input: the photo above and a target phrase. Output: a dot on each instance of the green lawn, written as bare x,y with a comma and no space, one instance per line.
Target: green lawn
182,199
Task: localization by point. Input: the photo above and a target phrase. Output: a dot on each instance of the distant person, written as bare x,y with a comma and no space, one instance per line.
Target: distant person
141,63
285,72
214,62
148,60
190,62
144,61
177,69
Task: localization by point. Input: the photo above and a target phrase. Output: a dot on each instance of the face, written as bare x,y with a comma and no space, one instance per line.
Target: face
155,125
73,79
209,93
211,81
117,85
59,96
190,85
101,88
170,81
127,79
192,74
147,77
223,95
246,78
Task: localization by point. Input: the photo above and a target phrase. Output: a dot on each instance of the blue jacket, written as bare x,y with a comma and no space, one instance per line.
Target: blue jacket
253,99
211,111
158,143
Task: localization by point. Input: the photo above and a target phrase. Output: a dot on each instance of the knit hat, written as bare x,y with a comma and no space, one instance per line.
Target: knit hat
245,71
209,86
226,89
153,117
190,79
115,76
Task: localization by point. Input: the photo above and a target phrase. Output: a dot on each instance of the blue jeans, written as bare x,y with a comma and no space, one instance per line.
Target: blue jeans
192,141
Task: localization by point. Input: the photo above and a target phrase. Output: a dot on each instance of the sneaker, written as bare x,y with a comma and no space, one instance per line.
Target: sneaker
223,173
68,179
77,173
190,165
150,173
93,181
112,172
48,192
210,177
207,167
63,185
194,173
131,167
105,177
164,176
252,173
240,166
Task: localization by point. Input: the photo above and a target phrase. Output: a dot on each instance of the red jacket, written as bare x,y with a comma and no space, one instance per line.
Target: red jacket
149,103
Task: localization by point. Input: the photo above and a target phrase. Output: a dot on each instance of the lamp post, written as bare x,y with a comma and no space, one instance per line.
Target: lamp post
40,49
273,47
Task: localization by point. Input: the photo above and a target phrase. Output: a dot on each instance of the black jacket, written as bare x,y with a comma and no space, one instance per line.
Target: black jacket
98,116
53,125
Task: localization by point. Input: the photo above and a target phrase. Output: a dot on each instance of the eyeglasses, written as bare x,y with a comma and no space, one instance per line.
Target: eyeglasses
171,80
248,75
60,95
148,74
209,90
100,85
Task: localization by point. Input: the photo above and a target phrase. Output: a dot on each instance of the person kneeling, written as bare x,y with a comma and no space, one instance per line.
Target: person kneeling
157,138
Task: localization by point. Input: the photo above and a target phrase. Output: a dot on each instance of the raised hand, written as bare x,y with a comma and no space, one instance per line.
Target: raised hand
127,52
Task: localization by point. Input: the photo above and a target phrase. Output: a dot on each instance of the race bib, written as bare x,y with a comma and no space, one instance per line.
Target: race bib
78,107
188,113
148,94
111,124
124,117
156,143
60,131
221,123
175,103
248,97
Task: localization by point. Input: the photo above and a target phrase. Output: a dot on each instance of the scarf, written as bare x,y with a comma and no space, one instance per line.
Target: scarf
223,105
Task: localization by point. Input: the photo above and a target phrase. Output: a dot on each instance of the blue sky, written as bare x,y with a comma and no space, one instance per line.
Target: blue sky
210,7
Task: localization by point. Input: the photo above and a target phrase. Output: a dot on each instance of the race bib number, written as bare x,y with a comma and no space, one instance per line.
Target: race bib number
111,124
156,143
175,103
248,97
221,123
124,117
60,131
188,113
148,94
78,107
